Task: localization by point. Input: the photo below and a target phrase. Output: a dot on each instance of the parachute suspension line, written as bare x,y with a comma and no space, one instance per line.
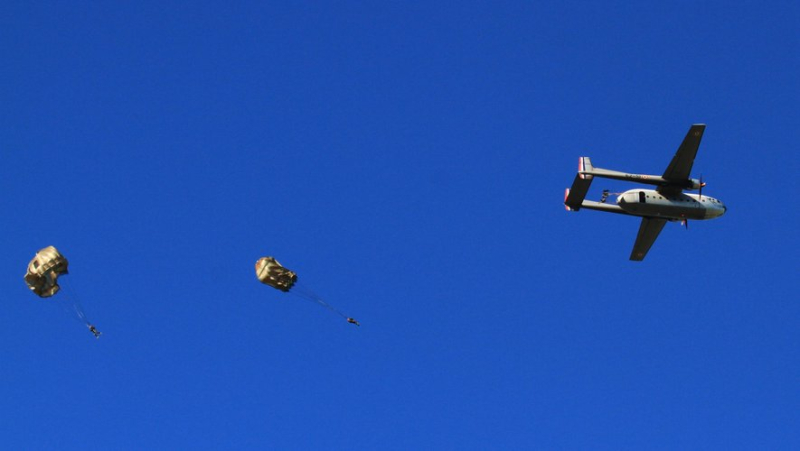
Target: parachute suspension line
65,304
74,306
305,293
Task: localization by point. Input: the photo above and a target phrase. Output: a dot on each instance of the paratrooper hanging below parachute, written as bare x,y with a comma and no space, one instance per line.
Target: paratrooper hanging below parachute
272,273
42,278
94,330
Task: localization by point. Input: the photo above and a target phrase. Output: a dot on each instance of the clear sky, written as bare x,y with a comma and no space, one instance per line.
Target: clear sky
408,160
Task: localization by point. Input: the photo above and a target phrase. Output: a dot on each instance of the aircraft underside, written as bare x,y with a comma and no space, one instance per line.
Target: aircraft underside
668,202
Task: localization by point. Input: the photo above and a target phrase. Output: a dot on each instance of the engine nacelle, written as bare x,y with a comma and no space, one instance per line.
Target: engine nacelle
695,184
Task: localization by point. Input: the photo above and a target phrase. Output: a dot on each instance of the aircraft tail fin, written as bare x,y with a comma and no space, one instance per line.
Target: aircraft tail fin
566,196
584,167
573,197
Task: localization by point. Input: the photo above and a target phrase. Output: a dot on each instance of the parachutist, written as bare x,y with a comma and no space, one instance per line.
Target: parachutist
42,277
272,273
94,330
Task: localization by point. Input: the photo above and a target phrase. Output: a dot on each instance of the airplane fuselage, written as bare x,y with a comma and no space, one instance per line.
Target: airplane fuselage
652,204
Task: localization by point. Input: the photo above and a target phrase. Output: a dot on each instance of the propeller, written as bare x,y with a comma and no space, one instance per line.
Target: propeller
701,187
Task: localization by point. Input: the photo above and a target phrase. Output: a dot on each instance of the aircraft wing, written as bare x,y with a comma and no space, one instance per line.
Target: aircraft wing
648,232
681,165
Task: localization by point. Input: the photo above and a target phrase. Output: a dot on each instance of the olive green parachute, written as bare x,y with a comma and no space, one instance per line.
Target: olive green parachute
272,273
43,272
42,278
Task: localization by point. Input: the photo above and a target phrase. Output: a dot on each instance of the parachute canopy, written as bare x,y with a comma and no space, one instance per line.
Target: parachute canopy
43,271
272,273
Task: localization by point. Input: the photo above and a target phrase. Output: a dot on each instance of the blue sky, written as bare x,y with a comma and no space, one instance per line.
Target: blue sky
409,162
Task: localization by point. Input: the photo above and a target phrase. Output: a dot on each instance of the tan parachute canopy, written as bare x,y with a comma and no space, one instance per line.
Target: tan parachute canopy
43,271
272,273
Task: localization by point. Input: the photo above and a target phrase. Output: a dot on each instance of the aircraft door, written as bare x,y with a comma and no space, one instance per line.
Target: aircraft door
641,197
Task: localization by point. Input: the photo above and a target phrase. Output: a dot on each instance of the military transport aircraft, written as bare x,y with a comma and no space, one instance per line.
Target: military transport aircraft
667,202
